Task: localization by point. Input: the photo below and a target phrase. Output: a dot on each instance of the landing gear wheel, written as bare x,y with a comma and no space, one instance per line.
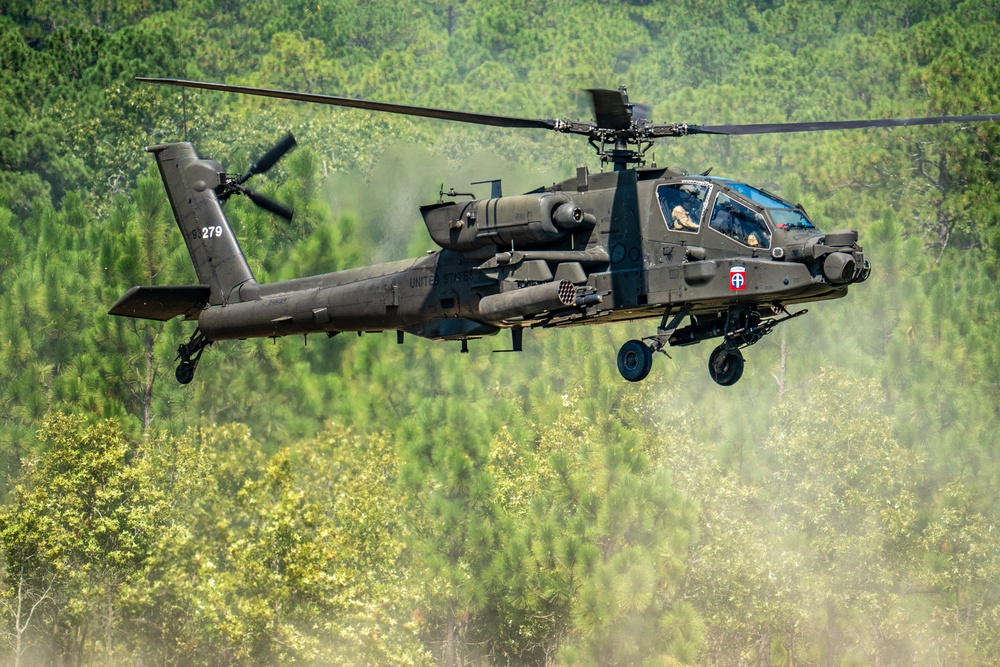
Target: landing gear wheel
635,359
189,354
725,365
185,372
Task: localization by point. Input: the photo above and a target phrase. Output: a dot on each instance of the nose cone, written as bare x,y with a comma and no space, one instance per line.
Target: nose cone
839,267
845,261
836,256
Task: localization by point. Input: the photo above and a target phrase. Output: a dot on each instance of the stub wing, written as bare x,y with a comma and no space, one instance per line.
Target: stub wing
162,302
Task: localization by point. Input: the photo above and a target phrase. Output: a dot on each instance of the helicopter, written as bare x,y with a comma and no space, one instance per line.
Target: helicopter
709,257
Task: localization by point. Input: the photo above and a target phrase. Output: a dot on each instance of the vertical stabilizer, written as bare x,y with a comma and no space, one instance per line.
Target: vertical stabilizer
191,185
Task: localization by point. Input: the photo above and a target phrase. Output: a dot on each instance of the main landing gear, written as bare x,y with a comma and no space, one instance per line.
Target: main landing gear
725,365
738,327
635,359
189,353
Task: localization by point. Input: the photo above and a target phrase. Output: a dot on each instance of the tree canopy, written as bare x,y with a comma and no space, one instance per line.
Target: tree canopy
352,501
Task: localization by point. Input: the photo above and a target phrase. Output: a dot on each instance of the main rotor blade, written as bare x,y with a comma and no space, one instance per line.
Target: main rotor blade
405,109
609,109
640,112
823,126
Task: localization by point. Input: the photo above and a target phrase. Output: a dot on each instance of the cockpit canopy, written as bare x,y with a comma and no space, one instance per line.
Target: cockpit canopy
683,205
741,212
784,215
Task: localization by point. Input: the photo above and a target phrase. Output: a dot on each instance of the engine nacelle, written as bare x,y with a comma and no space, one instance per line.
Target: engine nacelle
523,221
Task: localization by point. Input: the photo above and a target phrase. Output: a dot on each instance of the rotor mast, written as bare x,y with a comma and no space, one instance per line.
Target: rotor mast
621,126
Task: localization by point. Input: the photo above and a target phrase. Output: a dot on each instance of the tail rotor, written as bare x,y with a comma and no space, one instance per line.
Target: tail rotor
234,184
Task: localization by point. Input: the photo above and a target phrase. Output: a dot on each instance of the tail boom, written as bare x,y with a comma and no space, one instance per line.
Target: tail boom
191,184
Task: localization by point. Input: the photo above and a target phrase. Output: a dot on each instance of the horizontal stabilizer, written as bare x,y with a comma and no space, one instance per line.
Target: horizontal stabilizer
162,302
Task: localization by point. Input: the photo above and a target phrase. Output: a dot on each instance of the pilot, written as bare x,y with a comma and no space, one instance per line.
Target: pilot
680,219
753,241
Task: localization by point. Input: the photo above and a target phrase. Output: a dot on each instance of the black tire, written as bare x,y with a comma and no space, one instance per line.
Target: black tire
635,359
725,365
185,372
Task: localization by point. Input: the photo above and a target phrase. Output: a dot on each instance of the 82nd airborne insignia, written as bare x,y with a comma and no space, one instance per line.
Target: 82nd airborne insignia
737,279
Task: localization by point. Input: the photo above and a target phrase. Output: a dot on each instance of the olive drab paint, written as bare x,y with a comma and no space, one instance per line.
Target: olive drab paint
708,257
191,185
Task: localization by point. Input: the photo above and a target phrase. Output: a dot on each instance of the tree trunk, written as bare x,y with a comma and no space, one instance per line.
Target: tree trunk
831,632
147,390
764,650
109,624
781,376
22,617
449,658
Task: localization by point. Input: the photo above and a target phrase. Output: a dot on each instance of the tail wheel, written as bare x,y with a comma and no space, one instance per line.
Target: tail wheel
635,359
725,365
185,372
189,354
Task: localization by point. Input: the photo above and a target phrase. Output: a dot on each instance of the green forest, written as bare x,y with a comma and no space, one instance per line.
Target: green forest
351,501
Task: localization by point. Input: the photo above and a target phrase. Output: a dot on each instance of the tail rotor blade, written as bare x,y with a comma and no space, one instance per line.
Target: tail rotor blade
269,204
270,158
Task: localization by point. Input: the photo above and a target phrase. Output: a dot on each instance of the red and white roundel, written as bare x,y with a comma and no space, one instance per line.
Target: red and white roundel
737,278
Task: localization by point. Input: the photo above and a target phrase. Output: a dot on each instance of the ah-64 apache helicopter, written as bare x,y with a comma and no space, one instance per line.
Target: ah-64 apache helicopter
710,257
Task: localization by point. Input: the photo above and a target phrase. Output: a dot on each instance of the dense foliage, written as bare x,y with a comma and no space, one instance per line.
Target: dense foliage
352,501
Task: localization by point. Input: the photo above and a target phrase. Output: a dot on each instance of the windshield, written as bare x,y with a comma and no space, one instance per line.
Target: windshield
790,218
785,215
734,220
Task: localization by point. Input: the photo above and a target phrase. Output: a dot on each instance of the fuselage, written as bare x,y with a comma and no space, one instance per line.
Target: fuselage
649,241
